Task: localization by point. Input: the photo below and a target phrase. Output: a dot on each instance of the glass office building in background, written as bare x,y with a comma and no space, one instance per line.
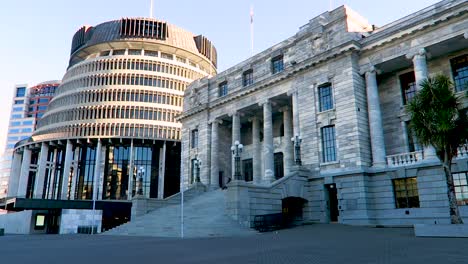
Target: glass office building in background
28,106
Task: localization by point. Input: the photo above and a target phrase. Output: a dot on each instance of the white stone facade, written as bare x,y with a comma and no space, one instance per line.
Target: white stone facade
356,142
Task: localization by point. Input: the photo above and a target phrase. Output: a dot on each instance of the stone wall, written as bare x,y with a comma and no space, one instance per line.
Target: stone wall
71,219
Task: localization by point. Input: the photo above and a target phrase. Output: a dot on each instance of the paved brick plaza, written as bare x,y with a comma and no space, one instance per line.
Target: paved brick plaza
309,244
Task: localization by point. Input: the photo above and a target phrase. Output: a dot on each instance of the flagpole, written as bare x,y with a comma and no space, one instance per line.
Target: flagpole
251,31
151,9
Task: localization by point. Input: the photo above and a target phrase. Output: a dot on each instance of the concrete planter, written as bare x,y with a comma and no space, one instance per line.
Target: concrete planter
424,230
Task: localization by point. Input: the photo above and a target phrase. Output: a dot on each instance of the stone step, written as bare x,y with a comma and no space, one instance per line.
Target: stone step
204,216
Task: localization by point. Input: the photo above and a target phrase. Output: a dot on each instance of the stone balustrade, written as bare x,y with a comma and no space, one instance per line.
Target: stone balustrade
404,159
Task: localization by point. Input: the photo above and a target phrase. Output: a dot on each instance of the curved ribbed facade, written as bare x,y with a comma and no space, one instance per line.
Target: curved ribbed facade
114,115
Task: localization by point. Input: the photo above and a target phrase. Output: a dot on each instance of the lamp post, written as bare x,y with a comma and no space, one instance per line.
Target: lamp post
141,173
197,170
297,149
236,150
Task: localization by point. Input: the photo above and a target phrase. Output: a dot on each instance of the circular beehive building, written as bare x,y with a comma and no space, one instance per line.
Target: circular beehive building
111,125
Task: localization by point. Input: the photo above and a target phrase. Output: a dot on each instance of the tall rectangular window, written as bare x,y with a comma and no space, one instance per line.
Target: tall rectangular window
328,144
194,138
413,144
461,187
247,166
247,78
408,86
279,165
406,193
460,72
325,97
277,64
223,89
20,91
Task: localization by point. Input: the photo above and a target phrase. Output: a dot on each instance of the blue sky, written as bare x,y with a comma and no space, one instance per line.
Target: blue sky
35,35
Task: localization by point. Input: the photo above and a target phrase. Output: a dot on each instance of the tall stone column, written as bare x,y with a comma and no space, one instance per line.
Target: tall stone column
288,146
235,137
15,173
97,170
268,147
421,73
162,170
295,109
214,170
257,150
375,120
74,173
51,177
131,168
24,175
41,169
67,170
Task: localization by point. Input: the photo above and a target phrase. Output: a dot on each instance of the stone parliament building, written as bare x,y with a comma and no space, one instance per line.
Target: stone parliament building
317,123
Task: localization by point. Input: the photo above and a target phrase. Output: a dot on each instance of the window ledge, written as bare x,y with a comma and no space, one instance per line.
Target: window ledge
329,163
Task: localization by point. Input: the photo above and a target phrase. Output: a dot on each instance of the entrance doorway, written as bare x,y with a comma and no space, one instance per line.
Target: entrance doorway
53,221
332,202
292,210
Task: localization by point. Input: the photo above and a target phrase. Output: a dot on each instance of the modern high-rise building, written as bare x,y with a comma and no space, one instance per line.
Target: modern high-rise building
111,132
28,106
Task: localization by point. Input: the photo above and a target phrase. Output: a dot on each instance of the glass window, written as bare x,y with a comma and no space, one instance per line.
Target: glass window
328,144
223,89
151,53
19,101
40,224
277,64
43,100
134,52
28,122
105,53
13,131
20,91
12,138
16,116
279,166
247,78
42,107
166,56
461,187
16,123
413,144
325,97
460,72
408,86
247,169
406,193
17,109
194,139
26,130
118,52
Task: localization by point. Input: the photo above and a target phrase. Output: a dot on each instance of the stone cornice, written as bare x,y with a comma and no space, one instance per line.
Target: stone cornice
417,22
276,78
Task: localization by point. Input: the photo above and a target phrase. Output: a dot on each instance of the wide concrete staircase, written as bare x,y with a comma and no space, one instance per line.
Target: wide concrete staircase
204,216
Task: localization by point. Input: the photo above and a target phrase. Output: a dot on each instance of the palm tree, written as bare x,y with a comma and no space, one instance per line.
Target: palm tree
437,120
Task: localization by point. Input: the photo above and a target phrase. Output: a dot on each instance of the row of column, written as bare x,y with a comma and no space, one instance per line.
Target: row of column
375,115
268,174
21,167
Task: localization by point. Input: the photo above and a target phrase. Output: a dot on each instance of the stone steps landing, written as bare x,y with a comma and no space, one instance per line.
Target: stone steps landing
204,216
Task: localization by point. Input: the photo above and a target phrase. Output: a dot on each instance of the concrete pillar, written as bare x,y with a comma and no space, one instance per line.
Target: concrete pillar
131,168
375,120
74,173
268,147
52,177
40,174
421,73
295,109
24,175
162,170
15,173
257,150
66,170
214,171
235,137
97,170
288,145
